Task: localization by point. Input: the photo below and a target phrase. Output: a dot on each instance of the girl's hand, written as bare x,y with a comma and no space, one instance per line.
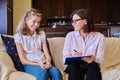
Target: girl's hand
77,54
47,65
42,65
89,59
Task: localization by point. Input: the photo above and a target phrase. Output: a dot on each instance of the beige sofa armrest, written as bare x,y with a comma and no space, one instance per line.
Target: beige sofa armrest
6,65
8,71
112,54
5,59
21,76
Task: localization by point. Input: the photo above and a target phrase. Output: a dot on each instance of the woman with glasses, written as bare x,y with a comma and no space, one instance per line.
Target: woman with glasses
83,44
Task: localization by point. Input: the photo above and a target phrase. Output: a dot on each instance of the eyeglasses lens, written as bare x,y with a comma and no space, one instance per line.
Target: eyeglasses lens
74,21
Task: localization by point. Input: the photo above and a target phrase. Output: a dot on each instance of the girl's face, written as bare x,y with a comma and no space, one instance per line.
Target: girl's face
33,22
78,23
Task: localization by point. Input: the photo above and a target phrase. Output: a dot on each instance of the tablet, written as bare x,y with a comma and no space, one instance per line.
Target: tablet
69,60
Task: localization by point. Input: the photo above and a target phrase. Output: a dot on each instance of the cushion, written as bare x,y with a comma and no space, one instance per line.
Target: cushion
52,62
56,48
12,51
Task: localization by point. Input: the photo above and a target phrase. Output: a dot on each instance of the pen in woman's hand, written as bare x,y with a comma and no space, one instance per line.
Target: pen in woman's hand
77,54
75,50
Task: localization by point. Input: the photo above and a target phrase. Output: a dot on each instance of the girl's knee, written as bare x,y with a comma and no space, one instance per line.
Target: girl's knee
41,73
54,70
55,74
36,71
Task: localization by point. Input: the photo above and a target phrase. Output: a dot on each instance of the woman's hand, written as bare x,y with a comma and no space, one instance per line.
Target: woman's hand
89,59
77,54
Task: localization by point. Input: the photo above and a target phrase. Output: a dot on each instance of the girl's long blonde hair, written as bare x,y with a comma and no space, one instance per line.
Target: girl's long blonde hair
22,27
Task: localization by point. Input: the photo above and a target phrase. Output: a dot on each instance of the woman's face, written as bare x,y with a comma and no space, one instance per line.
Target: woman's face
33,22
78,23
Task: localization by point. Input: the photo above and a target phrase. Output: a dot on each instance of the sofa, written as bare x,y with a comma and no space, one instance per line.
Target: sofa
110,67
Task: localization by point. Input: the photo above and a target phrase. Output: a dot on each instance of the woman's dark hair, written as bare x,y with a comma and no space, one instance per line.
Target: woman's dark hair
85,14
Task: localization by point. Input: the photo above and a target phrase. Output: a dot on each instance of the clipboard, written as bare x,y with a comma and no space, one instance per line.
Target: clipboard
69,60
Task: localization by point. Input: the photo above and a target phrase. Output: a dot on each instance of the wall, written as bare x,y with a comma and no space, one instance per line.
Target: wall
19,8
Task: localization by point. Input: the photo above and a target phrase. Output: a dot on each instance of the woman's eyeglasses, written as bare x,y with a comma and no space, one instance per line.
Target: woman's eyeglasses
74,21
